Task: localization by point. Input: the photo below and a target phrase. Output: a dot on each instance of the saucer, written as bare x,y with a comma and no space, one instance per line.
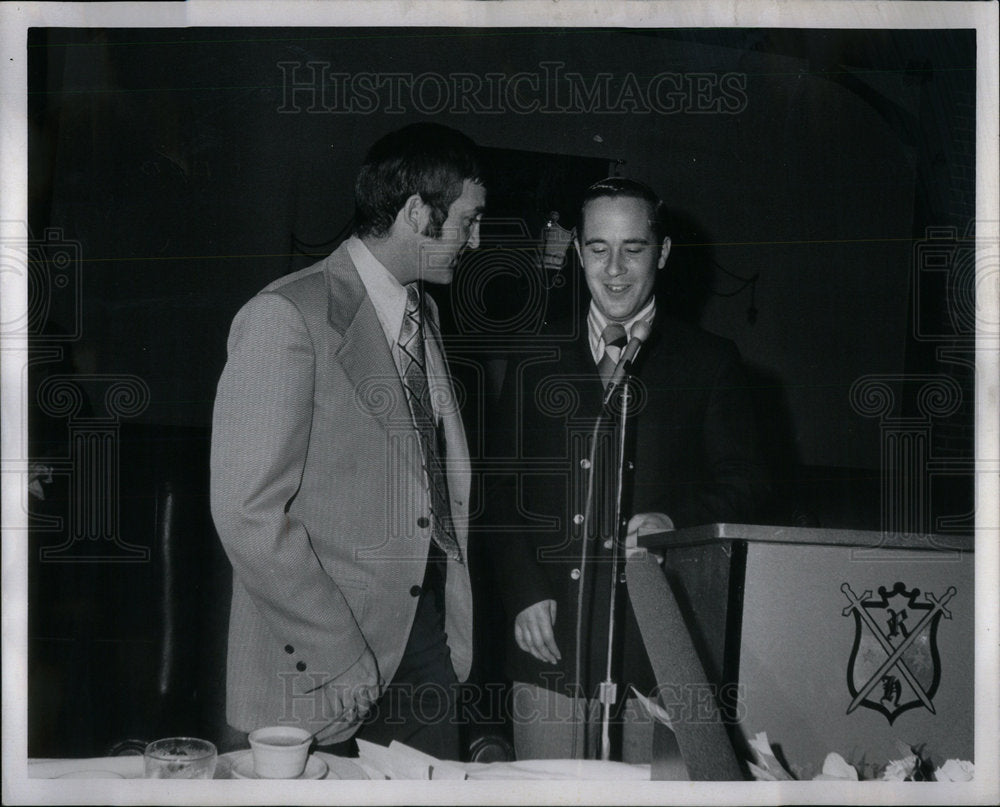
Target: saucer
242,768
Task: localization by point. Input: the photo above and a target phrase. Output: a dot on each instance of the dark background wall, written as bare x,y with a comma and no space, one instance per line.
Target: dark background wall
804,170
191,176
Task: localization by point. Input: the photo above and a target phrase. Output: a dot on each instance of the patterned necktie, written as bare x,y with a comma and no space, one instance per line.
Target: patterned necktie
414,375
614,340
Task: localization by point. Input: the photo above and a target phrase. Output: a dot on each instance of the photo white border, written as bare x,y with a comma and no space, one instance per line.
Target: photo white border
16,18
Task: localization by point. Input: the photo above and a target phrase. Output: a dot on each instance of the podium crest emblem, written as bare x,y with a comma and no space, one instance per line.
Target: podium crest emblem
894,664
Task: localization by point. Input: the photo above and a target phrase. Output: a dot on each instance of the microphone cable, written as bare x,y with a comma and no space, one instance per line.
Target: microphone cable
642,334
578,631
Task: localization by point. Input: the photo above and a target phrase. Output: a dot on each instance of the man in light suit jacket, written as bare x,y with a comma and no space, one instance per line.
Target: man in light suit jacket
694,460
340,479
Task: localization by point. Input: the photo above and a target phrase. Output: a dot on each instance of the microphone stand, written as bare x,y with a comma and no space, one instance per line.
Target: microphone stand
609,688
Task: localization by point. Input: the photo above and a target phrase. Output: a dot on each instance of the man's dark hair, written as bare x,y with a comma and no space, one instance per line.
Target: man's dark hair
424,158
619,187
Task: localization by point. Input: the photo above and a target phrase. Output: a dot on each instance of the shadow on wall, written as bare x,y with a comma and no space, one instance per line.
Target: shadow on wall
807,495
823,496
685,285
802,495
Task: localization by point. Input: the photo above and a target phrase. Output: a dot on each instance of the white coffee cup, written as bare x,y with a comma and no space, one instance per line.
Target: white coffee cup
279,752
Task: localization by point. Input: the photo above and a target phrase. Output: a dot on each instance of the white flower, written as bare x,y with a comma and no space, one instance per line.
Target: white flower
899,770
761,774
760,744
955,770
836,767
770,768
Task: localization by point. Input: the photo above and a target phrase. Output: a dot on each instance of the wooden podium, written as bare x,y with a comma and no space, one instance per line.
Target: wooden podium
827,640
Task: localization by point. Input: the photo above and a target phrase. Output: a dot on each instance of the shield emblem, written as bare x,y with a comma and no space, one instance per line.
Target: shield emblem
894,664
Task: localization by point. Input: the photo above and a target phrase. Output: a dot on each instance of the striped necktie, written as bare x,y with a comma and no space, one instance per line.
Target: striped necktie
413,369
614,340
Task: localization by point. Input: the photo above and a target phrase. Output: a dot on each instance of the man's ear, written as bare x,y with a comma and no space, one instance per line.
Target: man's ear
413,214
576,245
664,251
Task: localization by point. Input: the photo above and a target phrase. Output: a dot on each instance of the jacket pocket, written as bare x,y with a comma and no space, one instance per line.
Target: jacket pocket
356,593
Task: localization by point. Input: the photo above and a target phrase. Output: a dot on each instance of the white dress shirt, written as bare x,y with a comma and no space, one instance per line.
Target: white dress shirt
389,298
597,322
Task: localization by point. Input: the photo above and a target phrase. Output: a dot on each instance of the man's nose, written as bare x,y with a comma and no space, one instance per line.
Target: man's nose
473,241
616,266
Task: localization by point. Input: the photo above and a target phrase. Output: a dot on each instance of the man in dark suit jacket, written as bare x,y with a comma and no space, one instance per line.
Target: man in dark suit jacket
693,445
340,478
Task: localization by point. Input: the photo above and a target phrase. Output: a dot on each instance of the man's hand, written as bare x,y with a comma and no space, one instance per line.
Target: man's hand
645,523
353,692
533,631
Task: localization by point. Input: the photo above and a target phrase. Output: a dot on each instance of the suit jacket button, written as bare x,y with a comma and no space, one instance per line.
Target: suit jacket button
423,522
301,666
289,649
575,574
415,591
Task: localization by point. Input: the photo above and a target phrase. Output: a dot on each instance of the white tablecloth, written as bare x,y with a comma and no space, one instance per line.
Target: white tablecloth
130,767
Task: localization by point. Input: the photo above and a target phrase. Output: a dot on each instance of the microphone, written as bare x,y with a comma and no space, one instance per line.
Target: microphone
640,333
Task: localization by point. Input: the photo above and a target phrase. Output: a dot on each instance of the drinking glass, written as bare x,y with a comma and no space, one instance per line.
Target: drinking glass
180,758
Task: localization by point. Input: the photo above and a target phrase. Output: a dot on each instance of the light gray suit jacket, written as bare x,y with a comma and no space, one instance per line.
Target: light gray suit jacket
320,499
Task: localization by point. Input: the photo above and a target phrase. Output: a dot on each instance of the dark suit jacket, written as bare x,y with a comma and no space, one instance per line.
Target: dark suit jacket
694,447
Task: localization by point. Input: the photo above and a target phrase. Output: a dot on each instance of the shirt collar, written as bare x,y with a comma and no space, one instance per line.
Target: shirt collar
386,293
597,322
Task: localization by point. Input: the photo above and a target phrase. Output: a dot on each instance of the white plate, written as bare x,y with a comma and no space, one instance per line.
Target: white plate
242,768
341,767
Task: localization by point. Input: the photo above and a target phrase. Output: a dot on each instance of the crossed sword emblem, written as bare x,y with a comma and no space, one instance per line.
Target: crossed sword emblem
895,653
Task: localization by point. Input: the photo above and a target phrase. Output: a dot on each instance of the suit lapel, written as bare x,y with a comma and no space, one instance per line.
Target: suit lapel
580,364
368,363
656,362
363,351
